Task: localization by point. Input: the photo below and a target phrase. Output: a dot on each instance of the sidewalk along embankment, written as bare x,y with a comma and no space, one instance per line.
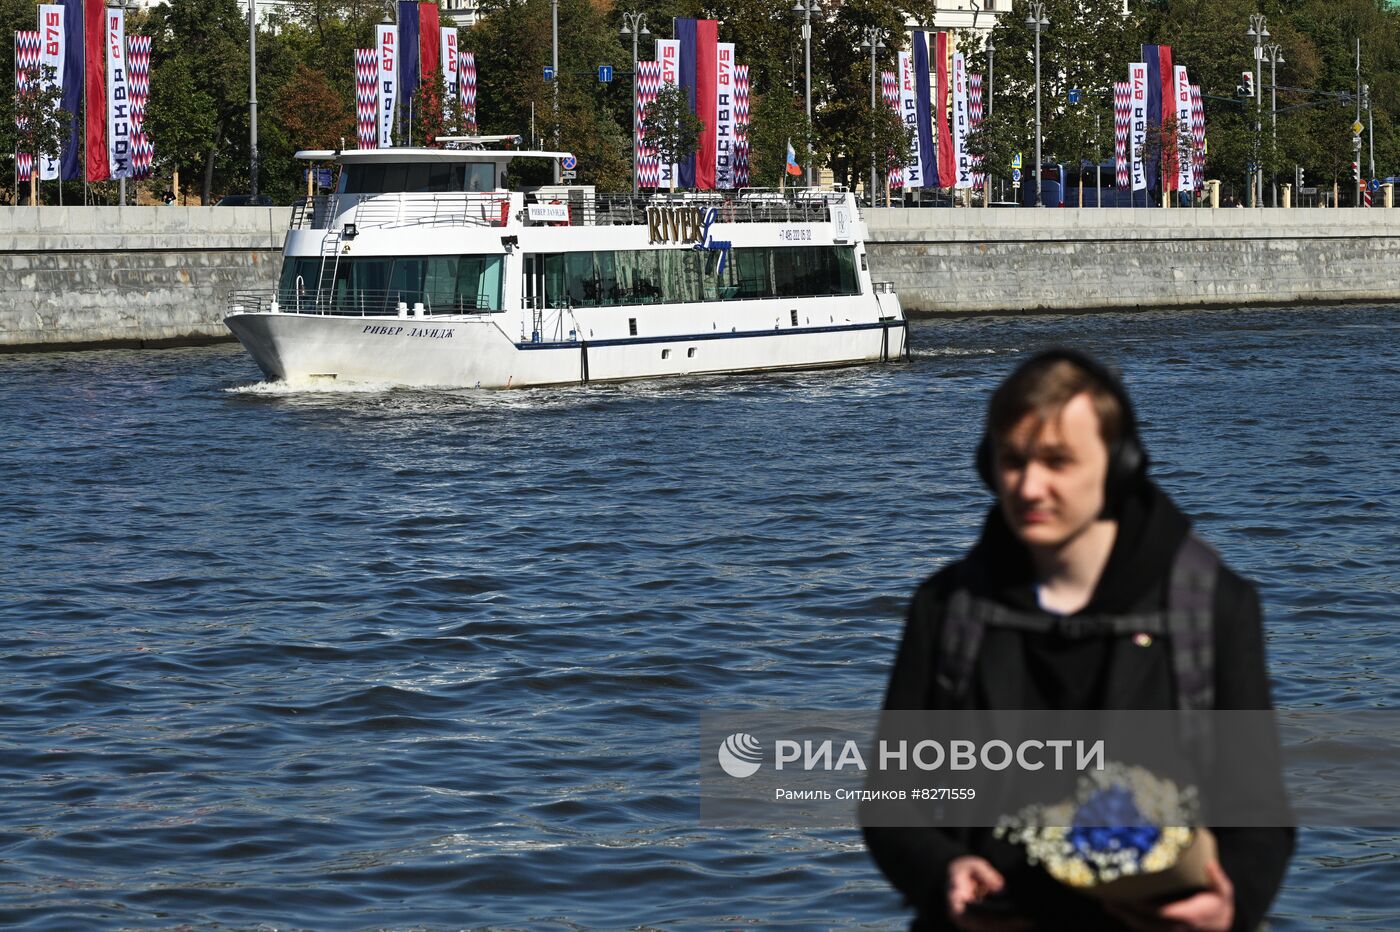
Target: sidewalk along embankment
72,277
1014,261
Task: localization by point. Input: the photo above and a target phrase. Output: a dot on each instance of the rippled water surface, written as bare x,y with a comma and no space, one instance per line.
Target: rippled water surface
436,659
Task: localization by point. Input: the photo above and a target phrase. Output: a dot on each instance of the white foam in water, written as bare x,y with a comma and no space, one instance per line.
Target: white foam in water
310,387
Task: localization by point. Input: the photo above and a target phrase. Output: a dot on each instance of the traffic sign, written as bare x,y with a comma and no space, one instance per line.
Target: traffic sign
569,162
1016,175
548,73
1074,93
568,175
1375,184
605,73
1016,160
1356,128
1356,142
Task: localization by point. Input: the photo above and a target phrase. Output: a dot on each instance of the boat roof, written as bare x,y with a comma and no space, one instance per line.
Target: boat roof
360,156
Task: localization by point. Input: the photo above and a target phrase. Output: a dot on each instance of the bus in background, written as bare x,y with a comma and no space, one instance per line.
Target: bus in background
1059,187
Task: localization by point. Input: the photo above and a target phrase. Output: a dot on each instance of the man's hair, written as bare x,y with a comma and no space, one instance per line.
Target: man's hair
1044,385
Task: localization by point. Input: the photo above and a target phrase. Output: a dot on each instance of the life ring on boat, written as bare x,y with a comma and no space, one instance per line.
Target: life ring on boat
569,210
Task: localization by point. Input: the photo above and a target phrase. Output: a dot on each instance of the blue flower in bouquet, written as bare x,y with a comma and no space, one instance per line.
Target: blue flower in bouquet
1109,820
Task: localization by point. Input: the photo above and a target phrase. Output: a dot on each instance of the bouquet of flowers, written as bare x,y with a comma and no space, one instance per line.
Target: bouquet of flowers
1126,836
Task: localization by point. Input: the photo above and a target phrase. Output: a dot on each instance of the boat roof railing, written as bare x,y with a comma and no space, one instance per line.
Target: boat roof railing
404,154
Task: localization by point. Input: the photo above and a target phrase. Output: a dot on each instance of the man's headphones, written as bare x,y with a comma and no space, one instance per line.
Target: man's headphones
1127,460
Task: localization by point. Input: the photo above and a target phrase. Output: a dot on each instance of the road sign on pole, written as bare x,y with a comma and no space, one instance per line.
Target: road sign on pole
1016,176
569,163
568,175
605,73
1016,160
1356,128
1375,184
548,73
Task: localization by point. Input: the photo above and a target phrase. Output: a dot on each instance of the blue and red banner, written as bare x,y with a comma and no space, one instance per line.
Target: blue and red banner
947,157
408,48
73,52
95,58
1160,79
928,156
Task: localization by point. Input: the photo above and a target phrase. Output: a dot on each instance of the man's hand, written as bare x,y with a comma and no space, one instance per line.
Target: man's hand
1210,911
970,879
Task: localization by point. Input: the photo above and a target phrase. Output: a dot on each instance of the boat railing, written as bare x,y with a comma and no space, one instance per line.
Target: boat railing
353,303
583,208
332,211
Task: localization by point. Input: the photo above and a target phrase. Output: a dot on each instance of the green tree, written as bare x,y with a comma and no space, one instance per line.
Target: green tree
671,128
38,123
775,120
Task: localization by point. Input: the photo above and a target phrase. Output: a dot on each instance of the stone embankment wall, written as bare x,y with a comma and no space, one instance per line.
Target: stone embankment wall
130,276
1011,260
142,276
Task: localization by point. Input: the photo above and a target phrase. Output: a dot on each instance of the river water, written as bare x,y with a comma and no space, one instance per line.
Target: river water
415,659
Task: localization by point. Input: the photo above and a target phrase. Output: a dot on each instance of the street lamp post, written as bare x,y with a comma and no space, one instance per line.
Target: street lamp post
1274,53
1037,20
991,96
1258,31
554,18
635,25
252,96
805,9
874,40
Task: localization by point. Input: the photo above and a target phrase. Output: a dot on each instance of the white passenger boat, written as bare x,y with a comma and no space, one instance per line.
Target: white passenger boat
423,268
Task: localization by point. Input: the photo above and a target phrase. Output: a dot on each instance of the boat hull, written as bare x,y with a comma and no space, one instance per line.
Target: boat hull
475,352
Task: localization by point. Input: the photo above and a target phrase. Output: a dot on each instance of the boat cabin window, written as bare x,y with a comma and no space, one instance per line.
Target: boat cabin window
443,284
678,276
419,177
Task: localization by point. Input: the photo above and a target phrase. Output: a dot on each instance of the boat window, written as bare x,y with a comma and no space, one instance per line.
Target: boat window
443,284
679,276
419,177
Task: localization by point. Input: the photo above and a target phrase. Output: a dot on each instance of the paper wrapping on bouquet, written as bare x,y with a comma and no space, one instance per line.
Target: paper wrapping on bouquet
741,127
27,53
367,98
889,92
143,152
1185,877
648,86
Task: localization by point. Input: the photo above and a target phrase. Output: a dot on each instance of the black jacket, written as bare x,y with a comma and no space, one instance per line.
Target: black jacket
1025,670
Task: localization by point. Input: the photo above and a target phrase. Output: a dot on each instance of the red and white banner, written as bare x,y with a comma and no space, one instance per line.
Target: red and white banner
118,96
962,123
386,47
648,85
724,116
1122,123
138,63
366,99
1198,133
27,53
741,126
974,109
95,88
889,93
1137,136
668,54
451,69
52,47
467,65
1185,142
909,111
